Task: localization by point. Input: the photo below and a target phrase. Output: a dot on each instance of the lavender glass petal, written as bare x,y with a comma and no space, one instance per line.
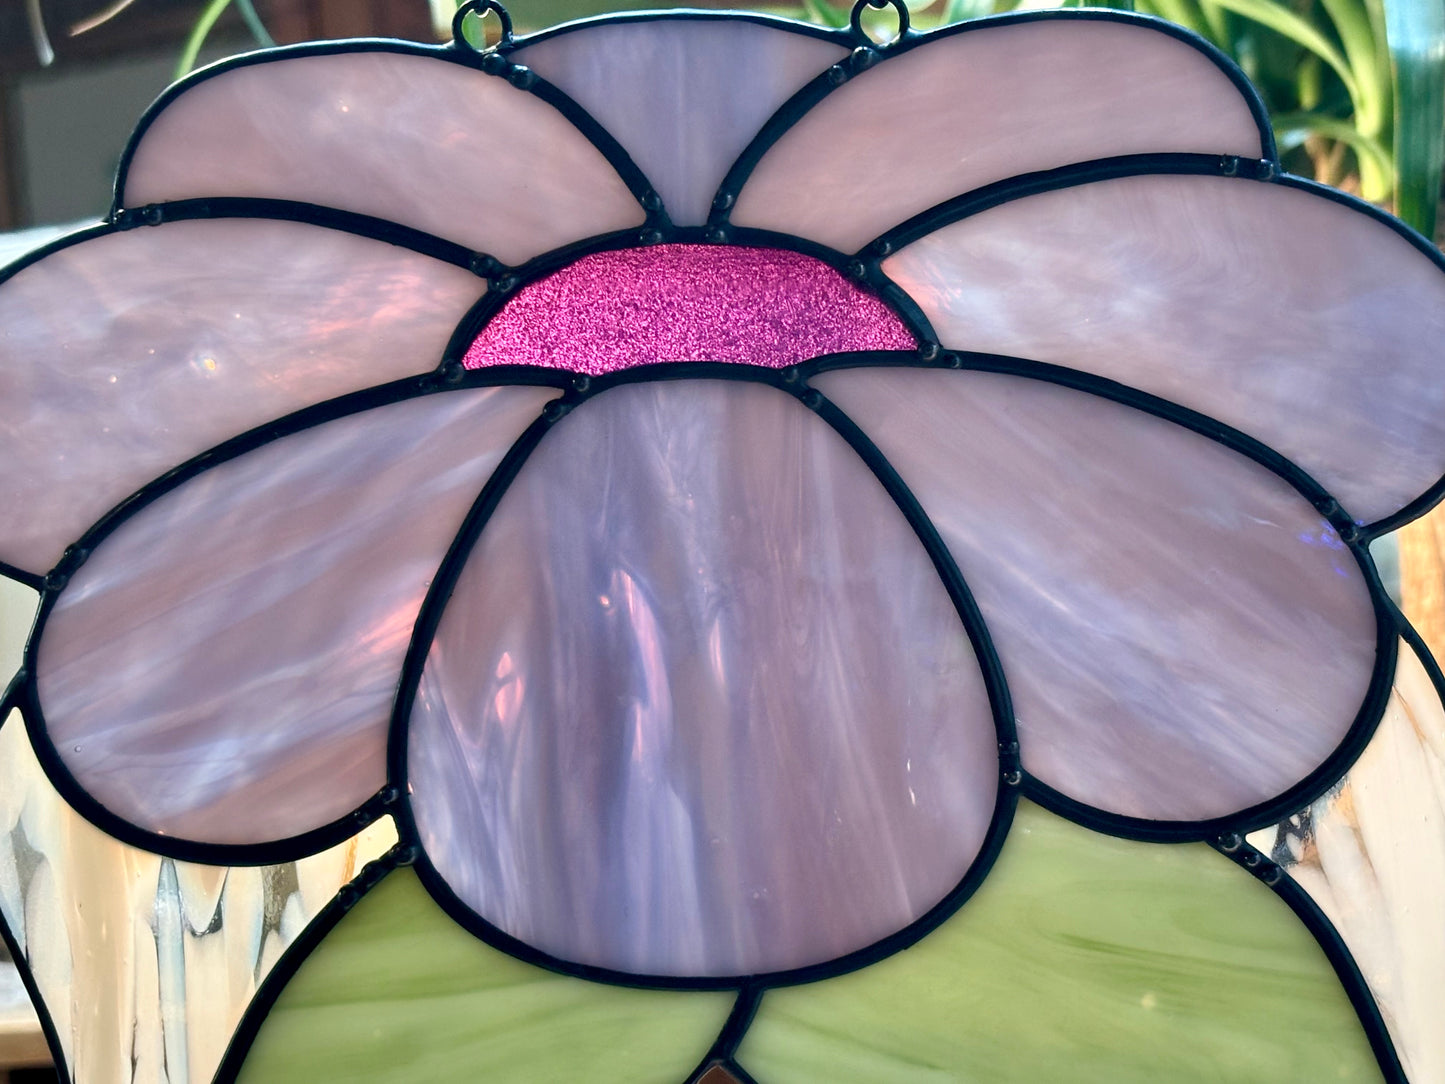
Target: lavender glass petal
1161,604
1299,320
700,703
407,138
223,667
992,102
682,96
126,355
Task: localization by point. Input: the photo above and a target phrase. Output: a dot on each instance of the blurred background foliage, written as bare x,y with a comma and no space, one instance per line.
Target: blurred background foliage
1355,88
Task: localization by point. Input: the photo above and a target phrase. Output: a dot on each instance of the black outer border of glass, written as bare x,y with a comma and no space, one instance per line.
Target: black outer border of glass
868,54
788,381
295,955
26,695
697,15
490,63
1362,1000
449,376
656,217
731,1036
22,965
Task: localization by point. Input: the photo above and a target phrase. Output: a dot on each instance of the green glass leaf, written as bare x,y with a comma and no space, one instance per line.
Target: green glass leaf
399,993
1082,958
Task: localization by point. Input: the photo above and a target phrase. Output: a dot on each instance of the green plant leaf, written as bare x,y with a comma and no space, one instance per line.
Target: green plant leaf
1301,32
198,35
1178,11
825,14
1416,35
1366,60
1376,167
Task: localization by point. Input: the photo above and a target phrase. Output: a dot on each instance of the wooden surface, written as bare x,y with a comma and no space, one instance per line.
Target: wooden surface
1422,578
22,1043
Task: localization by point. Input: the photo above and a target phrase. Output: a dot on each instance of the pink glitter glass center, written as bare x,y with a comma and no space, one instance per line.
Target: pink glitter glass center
638,306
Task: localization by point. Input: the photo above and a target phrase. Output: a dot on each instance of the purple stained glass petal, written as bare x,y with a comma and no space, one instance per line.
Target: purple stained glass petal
995,101
683,96
1182,634
1299,320
223,666
437,146
124,356
615,310
700,704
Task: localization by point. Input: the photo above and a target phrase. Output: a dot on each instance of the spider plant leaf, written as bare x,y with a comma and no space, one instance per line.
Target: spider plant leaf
197,37
1299,30
1416,33
1182,12
1376,168
1367,60
825,14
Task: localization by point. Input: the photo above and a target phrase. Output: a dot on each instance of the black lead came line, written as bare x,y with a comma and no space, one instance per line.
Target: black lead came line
296,954
1337,952
787,380
1387,617
21,960
868,55
27,695
491,63
643,194
443,584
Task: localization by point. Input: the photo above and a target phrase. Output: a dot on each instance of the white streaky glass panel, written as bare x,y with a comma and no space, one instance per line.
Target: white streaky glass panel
684,97
969,109
430,144
1183,635
700,703
123,356
223,667
1372,854
145,964
1307,324
17,612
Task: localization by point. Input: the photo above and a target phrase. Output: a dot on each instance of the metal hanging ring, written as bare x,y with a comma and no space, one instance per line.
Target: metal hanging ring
479,8
855,20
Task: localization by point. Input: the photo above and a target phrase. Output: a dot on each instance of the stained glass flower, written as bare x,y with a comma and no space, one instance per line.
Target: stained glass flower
698,474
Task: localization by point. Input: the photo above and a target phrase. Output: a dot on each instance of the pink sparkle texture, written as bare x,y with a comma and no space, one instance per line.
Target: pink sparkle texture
640,306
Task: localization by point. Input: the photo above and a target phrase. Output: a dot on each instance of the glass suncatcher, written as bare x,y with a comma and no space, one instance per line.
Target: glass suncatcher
691,546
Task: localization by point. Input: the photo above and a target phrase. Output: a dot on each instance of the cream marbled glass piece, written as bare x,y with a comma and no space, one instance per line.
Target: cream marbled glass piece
1303,322
1372,854
684,97
122,356
145,964
992,102
413,139
700,704
1183,635
224,665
